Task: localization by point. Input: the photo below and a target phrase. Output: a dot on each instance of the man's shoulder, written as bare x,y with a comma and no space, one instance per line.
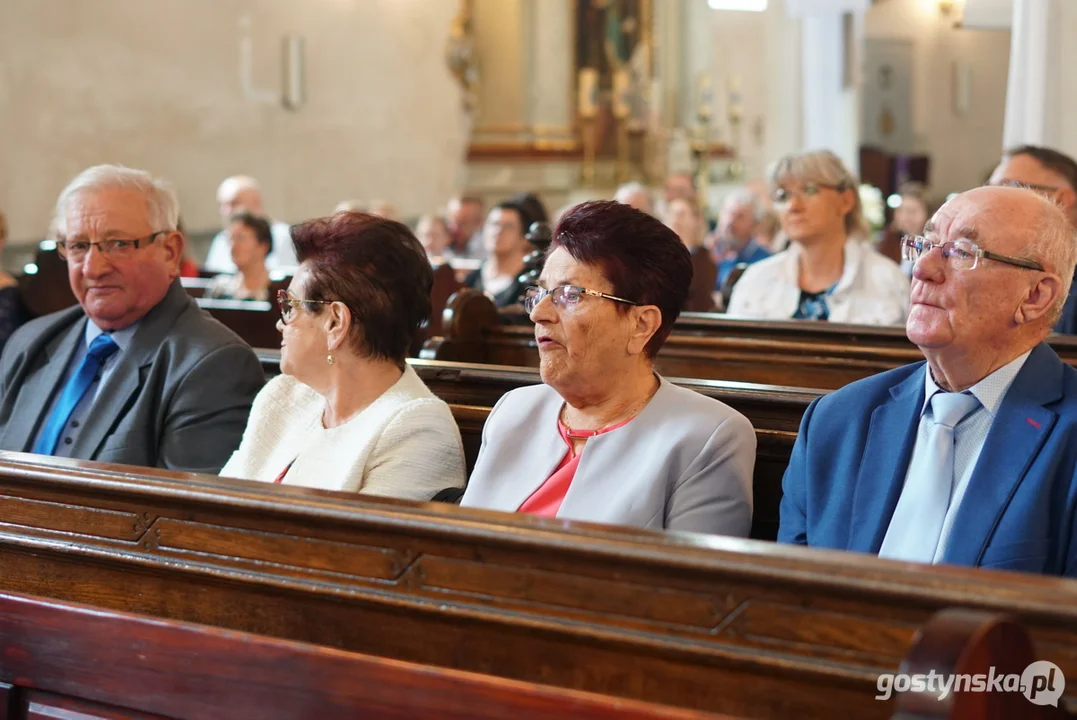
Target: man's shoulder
863,396
196,333
45,327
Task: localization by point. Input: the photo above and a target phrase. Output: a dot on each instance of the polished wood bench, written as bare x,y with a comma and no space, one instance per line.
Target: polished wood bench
710,623
61,660
798,354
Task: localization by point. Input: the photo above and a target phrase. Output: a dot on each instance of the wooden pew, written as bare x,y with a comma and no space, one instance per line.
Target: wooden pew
775,412
708,623
62,660
703,345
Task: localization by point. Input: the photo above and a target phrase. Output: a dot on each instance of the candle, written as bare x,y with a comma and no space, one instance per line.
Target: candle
621,85
588,99
706,96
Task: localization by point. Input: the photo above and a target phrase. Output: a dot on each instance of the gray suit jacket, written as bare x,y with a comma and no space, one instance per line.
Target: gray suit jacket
684,463
178,397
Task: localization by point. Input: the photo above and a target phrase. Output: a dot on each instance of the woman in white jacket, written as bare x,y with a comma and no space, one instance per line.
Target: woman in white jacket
830,271
347,413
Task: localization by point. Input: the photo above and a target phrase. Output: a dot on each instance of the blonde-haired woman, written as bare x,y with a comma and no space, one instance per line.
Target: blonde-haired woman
829,271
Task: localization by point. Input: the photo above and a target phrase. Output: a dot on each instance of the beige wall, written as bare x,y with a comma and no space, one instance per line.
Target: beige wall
156,85
762,48
963,149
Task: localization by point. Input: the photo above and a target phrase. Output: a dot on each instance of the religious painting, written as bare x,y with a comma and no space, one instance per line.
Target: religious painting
610,36
613,64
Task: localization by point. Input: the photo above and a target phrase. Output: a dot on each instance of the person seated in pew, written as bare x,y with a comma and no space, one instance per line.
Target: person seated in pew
135,373
13,312
735,237
971,457
683,217
829,271
506,247
252,241
637,195
433,234
242,193
347,412
1053,175
605,438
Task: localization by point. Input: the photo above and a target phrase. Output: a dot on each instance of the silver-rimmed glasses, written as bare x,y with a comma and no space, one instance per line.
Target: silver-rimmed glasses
76,250
962,254
565,297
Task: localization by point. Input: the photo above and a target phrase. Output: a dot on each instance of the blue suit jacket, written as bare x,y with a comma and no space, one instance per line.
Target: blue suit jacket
854,447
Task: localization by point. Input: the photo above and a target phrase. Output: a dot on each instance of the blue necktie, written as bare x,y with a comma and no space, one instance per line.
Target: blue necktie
916,527
100,350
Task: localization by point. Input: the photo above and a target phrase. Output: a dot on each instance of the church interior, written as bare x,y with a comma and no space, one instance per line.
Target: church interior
288,428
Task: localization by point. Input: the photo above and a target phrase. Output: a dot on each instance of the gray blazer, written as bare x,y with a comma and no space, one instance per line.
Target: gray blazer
178,397
684,463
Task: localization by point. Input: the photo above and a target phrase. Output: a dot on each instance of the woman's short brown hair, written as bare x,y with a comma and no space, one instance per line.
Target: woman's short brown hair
643,259
378,269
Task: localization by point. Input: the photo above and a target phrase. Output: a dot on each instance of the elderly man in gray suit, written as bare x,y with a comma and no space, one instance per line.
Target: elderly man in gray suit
136,373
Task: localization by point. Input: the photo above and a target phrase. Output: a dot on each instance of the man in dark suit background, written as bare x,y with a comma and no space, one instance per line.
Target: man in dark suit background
136,373
971,457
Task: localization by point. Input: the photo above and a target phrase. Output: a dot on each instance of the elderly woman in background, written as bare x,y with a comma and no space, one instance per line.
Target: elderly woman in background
829,271
683,217
506,246
12,311
605,439
434,236
347,413
251,241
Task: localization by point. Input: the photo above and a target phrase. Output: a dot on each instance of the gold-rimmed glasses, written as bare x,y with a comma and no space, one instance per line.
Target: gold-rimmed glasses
288,305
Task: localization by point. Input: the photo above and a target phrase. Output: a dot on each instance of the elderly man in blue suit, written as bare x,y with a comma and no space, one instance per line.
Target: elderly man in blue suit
971,457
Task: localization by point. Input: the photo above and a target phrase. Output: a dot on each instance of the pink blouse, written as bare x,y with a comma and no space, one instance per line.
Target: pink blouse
547,499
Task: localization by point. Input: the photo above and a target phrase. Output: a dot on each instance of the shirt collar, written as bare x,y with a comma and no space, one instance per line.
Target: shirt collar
988,391
122,338
749,249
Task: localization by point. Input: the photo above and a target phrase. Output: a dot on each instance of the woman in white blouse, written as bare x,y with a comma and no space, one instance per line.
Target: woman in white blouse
347,412
830,271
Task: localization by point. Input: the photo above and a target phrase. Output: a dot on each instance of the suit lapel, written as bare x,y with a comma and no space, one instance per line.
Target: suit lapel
890,440
36,390
1019,429
117,395
536,458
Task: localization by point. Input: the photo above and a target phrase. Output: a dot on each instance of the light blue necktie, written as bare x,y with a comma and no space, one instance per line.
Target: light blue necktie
916,527
100,350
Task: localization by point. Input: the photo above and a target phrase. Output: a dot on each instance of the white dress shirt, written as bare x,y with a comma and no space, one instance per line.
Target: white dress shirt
969,434
872,289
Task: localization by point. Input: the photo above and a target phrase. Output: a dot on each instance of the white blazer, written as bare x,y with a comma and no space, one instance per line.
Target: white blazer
684,462
872,289
405,444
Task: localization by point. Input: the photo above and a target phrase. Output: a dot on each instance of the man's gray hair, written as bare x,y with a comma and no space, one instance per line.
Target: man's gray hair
162,207
631,188
1054,245
742,197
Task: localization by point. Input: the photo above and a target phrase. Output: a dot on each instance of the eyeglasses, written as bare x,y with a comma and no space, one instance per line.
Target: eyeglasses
77,250
962,254
783,196
565,297
288,305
